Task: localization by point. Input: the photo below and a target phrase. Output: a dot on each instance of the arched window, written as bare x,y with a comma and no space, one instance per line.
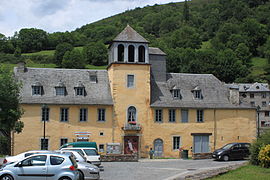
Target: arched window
131,53
121,50
131,114
141,54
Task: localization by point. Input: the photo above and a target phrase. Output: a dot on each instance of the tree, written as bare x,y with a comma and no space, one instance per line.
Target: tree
73,59
17,52
95,53
10,111
243,54
32,40
186,37
60,51
186,12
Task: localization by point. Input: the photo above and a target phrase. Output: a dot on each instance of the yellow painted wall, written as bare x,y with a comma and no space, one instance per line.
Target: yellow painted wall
124,97
29,139
229,125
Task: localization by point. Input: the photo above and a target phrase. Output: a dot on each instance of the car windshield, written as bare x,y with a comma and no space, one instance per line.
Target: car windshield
90,152
227,146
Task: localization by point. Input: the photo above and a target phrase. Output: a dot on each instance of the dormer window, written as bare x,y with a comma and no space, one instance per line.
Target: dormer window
80,89
60,89
93,78
198,94
37,89
176,93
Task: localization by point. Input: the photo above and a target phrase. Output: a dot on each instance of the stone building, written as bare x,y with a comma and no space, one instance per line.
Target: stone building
135,102
256,95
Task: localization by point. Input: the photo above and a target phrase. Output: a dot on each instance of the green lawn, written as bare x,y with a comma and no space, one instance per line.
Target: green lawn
258,65
37,65
248,172
47,52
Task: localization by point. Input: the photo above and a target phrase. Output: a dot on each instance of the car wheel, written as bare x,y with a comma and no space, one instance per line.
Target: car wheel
81,176
225,158
64,178
7,177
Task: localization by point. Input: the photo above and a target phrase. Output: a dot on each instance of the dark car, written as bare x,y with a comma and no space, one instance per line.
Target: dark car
232,151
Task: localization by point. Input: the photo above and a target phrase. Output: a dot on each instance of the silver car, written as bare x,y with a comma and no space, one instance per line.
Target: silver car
86,170
41,167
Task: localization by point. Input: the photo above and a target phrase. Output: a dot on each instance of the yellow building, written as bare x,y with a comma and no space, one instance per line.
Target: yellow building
135,102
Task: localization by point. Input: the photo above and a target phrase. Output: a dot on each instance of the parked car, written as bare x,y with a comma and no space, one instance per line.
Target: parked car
86,170
42,166
80,144
232,151
91,154
18,157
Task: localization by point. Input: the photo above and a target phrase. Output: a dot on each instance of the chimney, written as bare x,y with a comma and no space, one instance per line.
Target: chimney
21,67
234,95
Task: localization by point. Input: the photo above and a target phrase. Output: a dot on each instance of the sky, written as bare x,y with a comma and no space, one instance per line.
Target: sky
62,15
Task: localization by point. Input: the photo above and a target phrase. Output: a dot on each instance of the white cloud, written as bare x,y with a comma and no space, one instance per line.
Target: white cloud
61,15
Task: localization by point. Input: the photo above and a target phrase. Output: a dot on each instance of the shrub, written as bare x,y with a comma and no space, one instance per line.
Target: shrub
4,145
264,156
257,145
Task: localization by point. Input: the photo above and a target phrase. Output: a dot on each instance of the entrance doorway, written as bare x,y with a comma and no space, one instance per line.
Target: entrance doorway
158,147
131,144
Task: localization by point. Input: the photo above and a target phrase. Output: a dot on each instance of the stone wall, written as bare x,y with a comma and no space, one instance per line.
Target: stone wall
119,158
202,156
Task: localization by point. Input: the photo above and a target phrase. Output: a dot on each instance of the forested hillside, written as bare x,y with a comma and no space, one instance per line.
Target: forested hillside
221,37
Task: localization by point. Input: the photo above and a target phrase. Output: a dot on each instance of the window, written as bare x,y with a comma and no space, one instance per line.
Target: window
130,81
120,52
93,78
131,53
176,142
141,54
158,115
60,91
101,147
36,90
45,114
264,104
54,160
63,141
251,95
64,115
131,114
83,114
176,94
263,95
44,144
184,115
101,133
200,116
252,103
171,115
197,94
101,114
80,91
39,160
266,113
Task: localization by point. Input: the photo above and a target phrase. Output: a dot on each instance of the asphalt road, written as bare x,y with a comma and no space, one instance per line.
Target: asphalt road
162,169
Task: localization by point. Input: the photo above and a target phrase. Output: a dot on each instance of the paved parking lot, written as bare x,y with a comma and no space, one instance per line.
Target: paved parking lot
163,169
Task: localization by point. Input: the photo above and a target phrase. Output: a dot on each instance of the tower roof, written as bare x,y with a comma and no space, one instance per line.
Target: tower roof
130,35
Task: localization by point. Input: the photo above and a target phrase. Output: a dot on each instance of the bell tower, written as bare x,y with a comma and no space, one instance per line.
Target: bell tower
129,47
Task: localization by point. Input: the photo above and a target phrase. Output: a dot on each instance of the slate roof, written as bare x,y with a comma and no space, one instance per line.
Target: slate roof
214,92
96,93
249,87
130,35
156,51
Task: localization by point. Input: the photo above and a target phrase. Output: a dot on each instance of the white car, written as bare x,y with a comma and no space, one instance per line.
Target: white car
41,166
87,171
18,157
91,154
